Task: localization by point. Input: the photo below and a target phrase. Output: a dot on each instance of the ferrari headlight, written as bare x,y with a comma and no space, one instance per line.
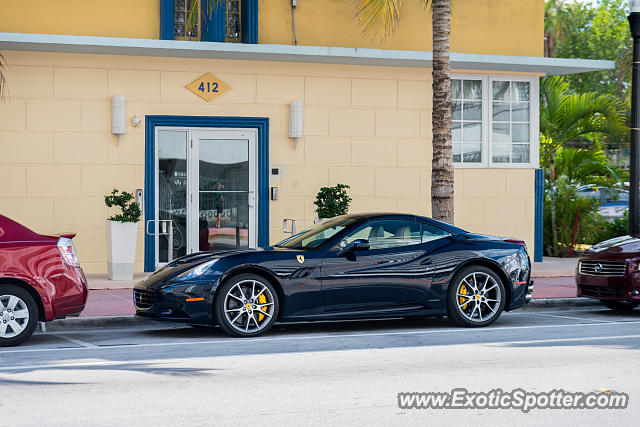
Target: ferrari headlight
195,271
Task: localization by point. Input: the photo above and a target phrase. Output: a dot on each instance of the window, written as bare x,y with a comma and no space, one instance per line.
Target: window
494,121
318,234
510,121
387,234
430,233
466,120
183,29
233,21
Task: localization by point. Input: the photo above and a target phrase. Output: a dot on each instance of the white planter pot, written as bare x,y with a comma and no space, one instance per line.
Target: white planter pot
121,249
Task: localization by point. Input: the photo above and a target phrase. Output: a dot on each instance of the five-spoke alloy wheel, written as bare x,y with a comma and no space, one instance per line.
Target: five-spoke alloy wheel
246,305
18,315
476,297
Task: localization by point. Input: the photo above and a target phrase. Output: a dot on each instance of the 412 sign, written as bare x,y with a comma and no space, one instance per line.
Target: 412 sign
208,87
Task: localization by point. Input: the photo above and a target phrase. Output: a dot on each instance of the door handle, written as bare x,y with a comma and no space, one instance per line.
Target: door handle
426,261
252,199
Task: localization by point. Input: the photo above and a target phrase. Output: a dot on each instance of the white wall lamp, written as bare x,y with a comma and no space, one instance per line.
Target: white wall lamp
118,113
295,122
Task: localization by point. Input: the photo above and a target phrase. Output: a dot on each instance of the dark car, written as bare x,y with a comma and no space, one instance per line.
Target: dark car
609,272
40,280
349,267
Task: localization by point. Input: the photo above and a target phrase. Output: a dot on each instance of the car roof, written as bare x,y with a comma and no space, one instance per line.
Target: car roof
410,217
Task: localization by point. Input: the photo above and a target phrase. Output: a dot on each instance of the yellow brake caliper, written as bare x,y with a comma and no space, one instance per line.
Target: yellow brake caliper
262,300
463,291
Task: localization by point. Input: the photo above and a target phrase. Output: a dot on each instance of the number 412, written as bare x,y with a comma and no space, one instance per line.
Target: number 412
211,87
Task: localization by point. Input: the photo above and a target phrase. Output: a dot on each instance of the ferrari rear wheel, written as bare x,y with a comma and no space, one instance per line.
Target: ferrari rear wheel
246,306
476,297
18,315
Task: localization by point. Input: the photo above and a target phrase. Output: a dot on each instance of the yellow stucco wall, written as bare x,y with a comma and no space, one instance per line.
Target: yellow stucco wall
500,27
503,27
112,18
369,127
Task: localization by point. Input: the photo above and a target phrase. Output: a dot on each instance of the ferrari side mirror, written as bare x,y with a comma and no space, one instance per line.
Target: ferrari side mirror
356,245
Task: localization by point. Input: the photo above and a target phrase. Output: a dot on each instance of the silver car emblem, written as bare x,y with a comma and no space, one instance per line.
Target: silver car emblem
597,268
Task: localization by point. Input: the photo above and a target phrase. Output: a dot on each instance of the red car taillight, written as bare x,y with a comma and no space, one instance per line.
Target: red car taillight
519,242
68,252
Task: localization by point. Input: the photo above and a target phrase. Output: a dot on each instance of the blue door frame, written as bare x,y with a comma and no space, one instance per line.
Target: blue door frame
538,245
259,123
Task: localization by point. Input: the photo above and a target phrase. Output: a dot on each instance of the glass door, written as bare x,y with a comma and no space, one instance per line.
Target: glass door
172,190
226,183
205,191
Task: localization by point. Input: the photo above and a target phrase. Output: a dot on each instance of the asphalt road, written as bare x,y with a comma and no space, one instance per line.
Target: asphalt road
340,373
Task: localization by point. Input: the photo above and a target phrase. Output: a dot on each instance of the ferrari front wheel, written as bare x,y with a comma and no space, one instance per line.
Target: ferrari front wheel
246,306
476,297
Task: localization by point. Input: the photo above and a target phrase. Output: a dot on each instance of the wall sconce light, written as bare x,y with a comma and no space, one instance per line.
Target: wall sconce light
118,113
295,121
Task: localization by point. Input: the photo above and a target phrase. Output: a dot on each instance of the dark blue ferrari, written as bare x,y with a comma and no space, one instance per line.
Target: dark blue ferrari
359,266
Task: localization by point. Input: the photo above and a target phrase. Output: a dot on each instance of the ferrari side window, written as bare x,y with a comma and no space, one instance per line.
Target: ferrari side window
387,234
430,233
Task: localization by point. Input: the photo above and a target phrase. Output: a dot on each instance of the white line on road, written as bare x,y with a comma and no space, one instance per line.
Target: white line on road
172,361
76,341
245,341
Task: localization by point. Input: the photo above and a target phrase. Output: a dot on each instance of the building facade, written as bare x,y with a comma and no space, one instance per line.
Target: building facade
207,111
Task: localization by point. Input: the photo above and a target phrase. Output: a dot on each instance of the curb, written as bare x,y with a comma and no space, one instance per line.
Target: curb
561,302
131,320
97,322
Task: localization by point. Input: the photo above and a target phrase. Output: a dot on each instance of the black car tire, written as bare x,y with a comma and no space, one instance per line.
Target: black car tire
32,321
620,306
219,305
454,312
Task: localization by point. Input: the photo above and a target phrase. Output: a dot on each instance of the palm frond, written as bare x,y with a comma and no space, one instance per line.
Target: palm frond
377,17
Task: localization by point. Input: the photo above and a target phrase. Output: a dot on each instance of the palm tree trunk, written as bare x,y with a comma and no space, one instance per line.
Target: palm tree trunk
442,163
3,81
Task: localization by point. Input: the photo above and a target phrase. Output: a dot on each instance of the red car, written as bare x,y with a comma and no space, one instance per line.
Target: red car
610,272
40,280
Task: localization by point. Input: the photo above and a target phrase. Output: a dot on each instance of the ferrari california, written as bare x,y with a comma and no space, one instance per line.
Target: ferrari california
359,266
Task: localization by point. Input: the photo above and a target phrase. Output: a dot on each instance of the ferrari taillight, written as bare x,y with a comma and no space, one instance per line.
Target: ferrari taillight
68,252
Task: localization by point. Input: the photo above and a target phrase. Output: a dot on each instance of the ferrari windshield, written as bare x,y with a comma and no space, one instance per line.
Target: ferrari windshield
317,235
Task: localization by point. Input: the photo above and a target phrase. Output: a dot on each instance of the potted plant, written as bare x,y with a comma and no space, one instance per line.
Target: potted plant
332,201
122,233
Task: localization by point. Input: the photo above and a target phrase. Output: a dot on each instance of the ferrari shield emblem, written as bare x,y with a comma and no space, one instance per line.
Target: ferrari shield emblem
300,258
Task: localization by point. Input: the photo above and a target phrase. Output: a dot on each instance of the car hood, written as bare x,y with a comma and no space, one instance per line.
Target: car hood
619,246
188,262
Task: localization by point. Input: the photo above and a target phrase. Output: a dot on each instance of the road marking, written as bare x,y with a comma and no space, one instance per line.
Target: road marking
174,361
81,343
572,317
244,341
615,337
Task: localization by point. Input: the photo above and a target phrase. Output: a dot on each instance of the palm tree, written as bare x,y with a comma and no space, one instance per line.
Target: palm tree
566,117
381,18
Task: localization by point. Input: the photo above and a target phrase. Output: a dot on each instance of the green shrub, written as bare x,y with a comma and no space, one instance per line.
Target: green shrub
616,228
568,203
130,211
332,201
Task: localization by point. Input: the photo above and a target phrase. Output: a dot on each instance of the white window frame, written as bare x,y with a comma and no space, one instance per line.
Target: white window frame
487,121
